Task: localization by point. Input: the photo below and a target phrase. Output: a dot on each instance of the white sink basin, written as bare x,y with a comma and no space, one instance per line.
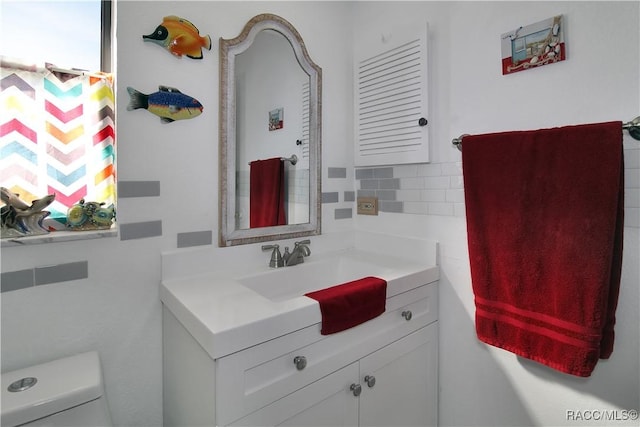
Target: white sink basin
233,305
314,274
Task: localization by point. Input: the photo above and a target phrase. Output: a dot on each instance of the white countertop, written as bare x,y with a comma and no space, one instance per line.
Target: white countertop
225,316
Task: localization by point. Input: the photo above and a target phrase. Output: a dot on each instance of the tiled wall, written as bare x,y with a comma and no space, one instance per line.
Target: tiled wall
438,188
153,228
77,270
338,178
424,189
44,275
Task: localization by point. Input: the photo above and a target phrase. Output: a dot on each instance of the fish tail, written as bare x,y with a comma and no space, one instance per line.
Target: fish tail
138,100
207,42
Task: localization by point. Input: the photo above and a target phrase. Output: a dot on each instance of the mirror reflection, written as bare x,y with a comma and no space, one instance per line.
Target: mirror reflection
270,134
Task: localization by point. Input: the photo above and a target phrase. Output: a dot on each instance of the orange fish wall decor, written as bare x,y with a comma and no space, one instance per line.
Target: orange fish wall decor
180,37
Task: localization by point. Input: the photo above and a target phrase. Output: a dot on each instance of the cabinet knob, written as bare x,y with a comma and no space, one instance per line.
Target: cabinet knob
300,362
370,380
407,315
422,121
356,389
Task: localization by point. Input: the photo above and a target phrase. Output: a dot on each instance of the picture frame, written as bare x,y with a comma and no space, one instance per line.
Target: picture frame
276,119
533,46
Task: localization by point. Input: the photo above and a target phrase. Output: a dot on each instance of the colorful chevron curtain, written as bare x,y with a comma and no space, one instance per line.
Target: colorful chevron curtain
57,135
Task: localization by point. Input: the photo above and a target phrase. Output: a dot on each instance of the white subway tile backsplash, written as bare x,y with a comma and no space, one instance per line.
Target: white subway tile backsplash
455,195
433,195
438,188
411,183
430,169
409,195
436,182
632,178
452,169
459,210
418,208
632,217
632,158
405,171
456,182
632,198
440,209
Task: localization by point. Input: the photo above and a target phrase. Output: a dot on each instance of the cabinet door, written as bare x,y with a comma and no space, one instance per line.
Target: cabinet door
406,389
327,402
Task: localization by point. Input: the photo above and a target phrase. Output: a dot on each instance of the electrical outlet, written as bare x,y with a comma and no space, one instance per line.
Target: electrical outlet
367,206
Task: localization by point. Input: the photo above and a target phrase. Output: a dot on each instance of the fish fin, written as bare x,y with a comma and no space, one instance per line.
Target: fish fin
207,42
166,120
173,109
182,21
173,18
195,57
168,89
138,99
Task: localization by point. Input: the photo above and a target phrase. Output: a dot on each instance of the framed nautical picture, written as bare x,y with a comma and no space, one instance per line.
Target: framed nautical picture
276,119
533,45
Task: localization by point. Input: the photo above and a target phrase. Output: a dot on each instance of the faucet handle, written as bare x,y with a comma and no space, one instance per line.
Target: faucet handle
276,257
303,242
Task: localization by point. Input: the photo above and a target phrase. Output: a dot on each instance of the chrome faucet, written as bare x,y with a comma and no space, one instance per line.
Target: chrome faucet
276,260
300,250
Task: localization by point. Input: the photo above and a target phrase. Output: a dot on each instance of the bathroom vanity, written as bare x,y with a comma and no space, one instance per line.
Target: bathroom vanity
245,348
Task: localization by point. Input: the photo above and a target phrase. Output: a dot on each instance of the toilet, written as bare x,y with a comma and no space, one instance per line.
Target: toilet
65,392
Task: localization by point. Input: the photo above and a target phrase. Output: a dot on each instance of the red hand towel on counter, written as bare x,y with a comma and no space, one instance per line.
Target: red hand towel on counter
349,304
266,193
545,220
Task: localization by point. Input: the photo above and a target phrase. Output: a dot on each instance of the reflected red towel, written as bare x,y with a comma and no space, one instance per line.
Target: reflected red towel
266,193
349,304
545,221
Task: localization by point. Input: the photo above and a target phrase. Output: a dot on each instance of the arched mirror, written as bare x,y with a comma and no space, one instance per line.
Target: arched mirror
270,135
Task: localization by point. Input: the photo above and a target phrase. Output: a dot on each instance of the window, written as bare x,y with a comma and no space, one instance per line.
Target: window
67,33
57,130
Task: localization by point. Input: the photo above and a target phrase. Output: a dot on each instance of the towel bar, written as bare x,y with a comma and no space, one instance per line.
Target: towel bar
633,127
293,159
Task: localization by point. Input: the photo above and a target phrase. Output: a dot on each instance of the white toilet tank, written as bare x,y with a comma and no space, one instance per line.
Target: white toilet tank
62,393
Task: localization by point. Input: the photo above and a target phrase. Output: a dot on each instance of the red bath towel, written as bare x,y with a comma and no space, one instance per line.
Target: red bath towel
545,220
350,304
266,193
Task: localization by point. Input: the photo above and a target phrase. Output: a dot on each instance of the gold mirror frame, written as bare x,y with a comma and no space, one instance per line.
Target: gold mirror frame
229,48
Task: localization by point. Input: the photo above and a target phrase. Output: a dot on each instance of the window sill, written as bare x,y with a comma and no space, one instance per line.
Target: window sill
59,236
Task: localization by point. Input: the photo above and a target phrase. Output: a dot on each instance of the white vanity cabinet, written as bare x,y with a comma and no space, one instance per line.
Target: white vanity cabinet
304,378
394,386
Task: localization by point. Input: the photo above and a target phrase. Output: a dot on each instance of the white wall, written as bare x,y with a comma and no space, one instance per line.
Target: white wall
117,309
599,81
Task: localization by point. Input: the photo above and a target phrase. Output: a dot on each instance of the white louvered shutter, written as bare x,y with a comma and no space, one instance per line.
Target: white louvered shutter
391,98
305,119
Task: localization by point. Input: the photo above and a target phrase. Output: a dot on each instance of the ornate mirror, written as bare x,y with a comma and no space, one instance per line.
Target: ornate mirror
270,135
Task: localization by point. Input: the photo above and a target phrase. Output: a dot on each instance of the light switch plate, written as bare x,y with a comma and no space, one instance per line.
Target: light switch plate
367,206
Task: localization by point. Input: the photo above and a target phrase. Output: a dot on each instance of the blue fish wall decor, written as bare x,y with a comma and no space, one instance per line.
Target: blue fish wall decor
168,103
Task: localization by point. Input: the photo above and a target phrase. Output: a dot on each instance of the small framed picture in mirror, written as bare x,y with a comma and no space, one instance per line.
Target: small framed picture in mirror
276,119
